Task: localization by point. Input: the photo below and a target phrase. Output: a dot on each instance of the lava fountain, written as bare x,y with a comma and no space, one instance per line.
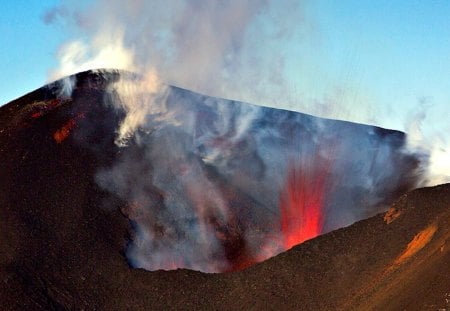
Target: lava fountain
302,202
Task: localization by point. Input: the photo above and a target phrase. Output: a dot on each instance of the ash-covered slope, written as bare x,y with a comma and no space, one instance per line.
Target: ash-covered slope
193,188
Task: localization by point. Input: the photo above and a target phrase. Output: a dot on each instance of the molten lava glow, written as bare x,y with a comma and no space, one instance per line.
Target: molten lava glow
60,135
42,108
36,115
302,203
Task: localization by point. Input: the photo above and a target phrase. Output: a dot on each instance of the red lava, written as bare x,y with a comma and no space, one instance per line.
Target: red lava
63,133
302,202
36,115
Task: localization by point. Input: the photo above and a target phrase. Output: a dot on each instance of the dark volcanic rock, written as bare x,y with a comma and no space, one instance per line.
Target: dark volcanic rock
63,237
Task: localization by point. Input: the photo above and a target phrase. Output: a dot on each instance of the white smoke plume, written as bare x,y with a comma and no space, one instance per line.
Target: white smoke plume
218,48
435,144
213,47
139,99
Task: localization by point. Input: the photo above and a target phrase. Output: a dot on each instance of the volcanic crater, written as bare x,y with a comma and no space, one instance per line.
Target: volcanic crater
216,186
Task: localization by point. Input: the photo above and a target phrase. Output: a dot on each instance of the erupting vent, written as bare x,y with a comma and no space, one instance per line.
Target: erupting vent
217,185
302,203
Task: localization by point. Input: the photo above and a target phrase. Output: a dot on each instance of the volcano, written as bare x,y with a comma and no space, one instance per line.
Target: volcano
98,196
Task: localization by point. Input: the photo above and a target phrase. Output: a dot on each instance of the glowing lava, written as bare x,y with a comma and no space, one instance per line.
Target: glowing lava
302,202
60,135
36,115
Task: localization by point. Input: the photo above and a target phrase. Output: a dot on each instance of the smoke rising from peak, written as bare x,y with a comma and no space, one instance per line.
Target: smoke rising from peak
221,48
218,48
140,99
103,52
230,49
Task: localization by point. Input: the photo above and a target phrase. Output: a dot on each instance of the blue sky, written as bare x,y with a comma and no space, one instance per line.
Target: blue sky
27,47
395,52
393,56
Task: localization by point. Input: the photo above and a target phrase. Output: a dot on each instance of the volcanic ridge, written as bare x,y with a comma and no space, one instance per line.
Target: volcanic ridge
98,198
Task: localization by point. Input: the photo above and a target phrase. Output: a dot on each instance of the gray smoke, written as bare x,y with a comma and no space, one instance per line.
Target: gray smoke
203,177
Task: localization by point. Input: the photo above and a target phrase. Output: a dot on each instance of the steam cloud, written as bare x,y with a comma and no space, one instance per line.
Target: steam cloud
201,174
204,177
